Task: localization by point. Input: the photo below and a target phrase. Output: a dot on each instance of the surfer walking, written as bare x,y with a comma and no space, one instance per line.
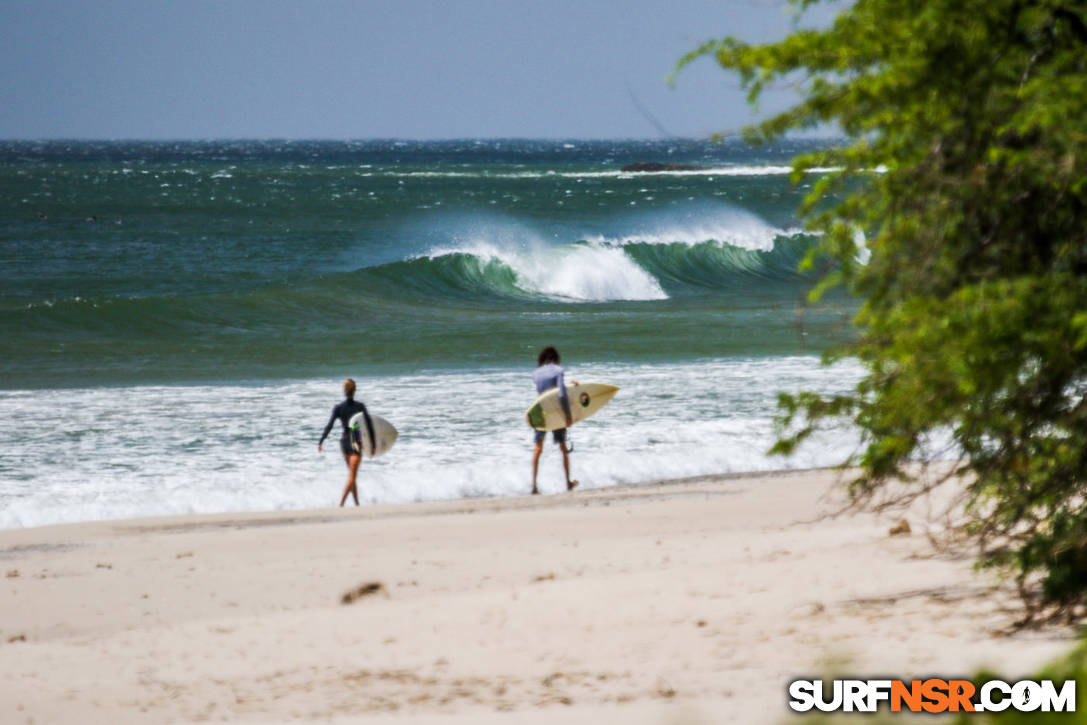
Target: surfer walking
549,374
343,412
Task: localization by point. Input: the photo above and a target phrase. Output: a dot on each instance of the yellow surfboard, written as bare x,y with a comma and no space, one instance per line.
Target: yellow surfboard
585,399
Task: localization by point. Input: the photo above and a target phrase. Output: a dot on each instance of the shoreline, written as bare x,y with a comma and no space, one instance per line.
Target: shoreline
694,600
382,510
185,450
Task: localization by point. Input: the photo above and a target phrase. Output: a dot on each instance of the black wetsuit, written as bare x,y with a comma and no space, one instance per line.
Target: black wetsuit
344,412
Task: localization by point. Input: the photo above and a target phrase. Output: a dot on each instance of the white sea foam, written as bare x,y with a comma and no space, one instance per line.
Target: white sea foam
580,273
598,268
864,254
589,273
721,225
141,451
748,170
570,272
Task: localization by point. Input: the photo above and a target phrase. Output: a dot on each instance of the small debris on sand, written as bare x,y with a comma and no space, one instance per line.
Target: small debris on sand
902,528
544,577
810,609
550,680
359,592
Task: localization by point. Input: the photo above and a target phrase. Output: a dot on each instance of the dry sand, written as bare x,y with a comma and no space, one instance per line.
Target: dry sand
683,602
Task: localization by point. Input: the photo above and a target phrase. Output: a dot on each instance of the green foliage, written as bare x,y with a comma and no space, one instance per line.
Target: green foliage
1072,666
964,169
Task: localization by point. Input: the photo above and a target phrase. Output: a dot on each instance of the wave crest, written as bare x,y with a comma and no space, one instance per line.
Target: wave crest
640,258
578,273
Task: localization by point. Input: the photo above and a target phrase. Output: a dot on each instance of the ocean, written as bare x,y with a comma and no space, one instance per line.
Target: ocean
176,319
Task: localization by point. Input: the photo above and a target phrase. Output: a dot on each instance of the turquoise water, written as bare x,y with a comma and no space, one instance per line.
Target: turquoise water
232,261
184,313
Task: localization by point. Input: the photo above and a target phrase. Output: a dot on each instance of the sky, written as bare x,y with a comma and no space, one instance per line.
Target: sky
408,69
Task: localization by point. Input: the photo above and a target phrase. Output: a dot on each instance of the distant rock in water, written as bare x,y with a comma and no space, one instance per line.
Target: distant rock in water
658,166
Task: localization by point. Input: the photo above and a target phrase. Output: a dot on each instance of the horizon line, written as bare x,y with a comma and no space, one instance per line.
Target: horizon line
729,138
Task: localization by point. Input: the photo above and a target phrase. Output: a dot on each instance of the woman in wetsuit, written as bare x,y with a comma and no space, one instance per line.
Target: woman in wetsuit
343,412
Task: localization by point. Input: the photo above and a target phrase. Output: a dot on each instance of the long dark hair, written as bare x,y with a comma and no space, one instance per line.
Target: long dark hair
548,355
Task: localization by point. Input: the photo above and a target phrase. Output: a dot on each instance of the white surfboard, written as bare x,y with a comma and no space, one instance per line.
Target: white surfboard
585,399
384,435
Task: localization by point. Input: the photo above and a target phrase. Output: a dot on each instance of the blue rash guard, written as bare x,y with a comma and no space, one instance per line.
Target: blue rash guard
546,377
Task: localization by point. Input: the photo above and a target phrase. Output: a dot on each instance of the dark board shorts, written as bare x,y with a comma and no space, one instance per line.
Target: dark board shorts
558,435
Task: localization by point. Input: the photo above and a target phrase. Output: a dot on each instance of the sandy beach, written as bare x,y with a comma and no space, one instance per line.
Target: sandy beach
679,602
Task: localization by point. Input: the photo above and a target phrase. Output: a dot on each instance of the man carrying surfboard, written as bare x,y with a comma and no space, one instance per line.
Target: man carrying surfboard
549,375
344,412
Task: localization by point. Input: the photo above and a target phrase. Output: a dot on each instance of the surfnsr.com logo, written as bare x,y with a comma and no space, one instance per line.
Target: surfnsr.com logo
932,695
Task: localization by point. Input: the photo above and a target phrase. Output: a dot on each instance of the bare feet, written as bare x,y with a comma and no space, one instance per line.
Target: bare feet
570,485
535,491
